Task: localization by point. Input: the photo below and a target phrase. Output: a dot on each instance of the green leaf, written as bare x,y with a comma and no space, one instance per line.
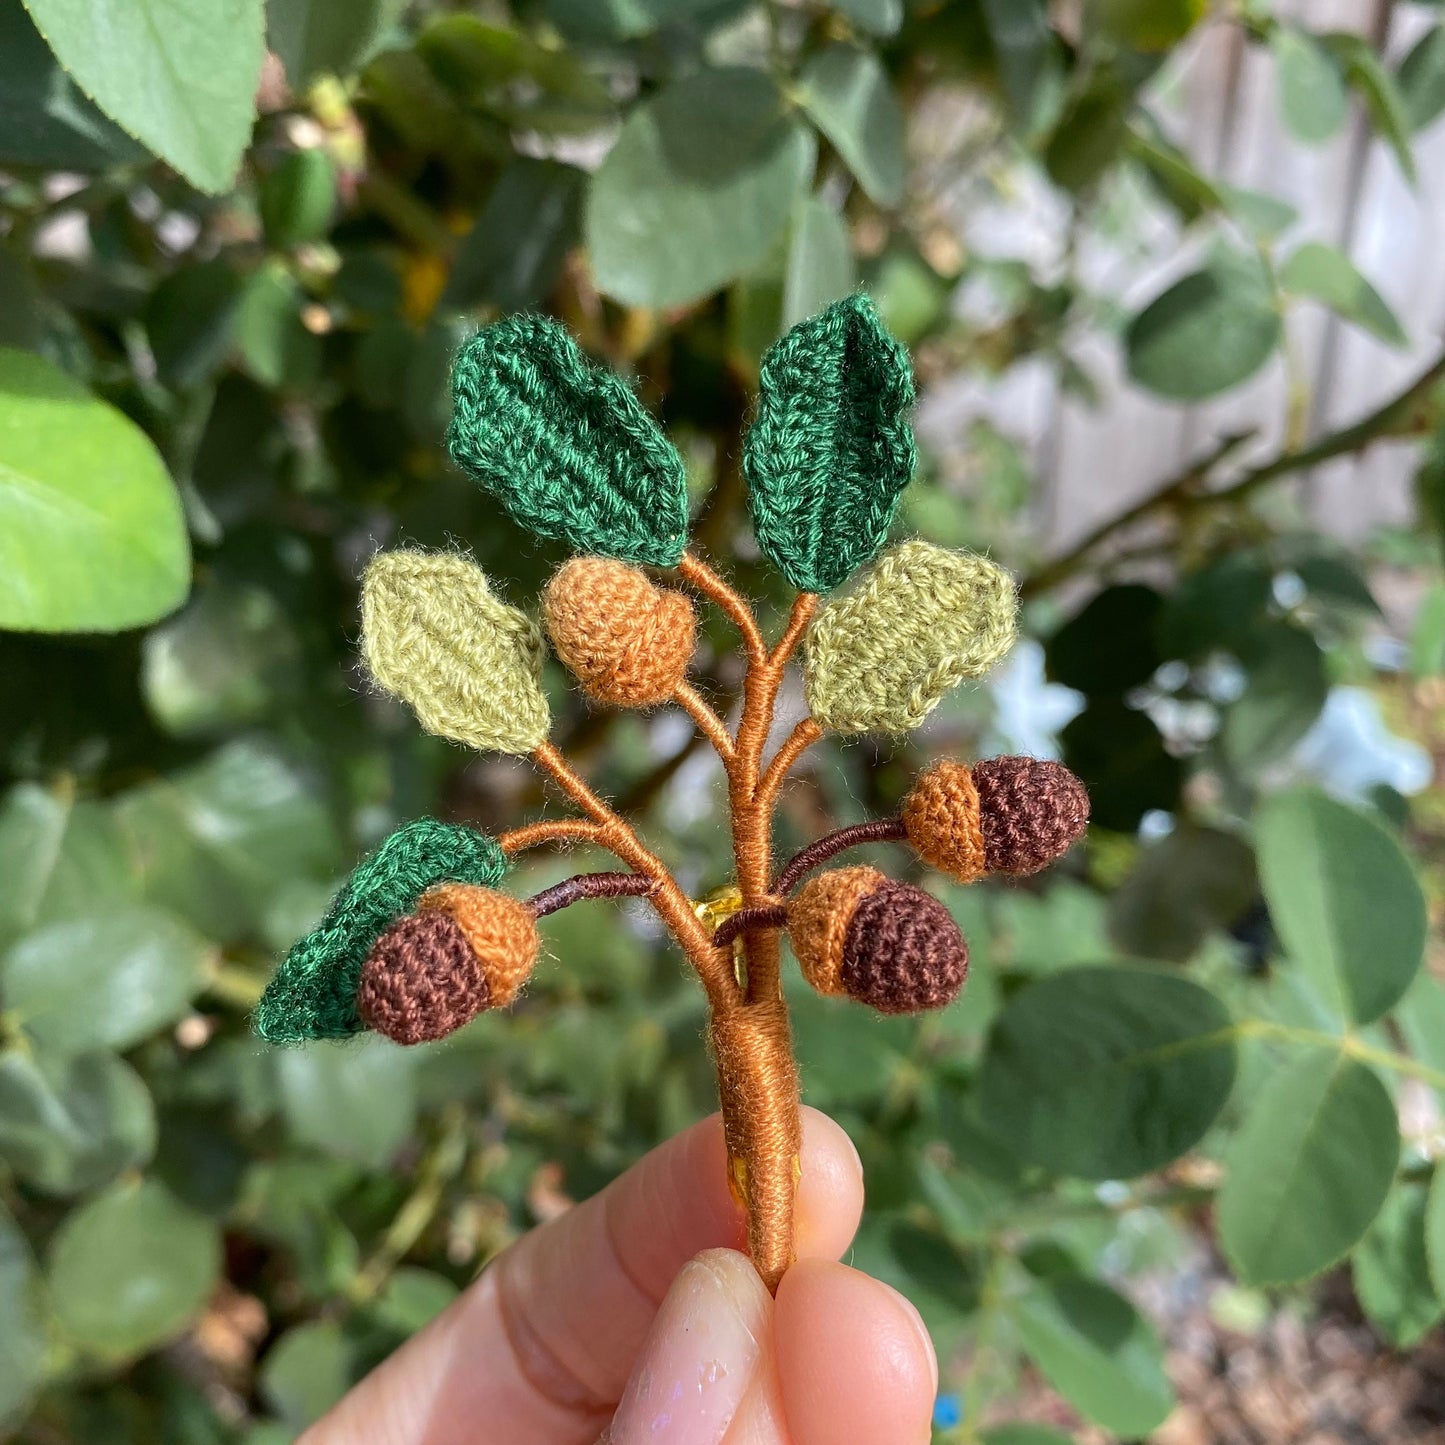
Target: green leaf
229,658
298,198
270,335
103,979
1091,134
1108,646
1376,86
697,189
1119,754
1195,882
877,17
191,320
831,448
218,842
412,1298
1328,276
1312,94
919,621
1029,60
513,255
1107,1073
313,993
1024,1435
566,445
307,1371
316,37
91,533
1392,1272
1206,333
179,75
1421,79
130,1268
1262,215
1097,1351
608,21
1308,1171
22,1361
57,857
1219,606
1344,899
848,95
820,261
1150,25
1285,688
45,120
355,1103
68,1125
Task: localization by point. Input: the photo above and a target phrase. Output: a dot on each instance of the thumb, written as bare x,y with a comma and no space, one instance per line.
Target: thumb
709,1343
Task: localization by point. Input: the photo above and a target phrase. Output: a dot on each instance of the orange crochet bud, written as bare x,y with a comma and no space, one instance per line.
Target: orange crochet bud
627,641
884,943
430,972
1004,815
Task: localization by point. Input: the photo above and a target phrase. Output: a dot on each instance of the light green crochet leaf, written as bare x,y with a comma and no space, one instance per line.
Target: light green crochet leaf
831,447
566,446
313,993
469,666
920,621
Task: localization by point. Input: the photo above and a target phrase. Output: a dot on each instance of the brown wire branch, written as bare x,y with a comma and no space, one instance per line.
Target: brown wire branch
709,724
881,830
804,734
699,575
589,885
549,830
713,965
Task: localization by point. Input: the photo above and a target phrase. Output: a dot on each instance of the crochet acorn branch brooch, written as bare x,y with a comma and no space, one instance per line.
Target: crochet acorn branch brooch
420,939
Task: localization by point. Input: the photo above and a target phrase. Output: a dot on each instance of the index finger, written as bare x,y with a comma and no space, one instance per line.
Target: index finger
540,1347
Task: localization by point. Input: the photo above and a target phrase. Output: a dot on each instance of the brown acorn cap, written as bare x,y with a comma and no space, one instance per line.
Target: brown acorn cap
903,952
500,931
421,980
1033,811
818,918
627,641
941,816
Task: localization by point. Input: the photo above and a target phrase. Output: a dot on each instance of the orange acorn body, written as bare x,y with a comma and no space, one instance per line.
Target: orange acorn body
466,949
884,943
626,640
1004,815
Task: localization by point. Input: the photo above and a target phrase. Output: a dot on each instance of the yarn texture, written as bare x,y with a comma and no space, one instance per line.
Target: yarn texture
565,445
903,952
819,918
499,930
941,818
421,980
625,640
921,619
830,449
434,635
1033,811
313,993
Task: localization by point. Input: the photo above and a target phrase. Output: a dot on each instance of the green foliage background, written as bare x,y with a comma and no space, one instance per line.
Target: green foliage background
229,385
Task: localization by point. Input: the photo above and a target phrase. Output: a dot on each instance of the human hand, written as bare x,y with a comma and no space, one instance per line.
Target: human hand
633,1317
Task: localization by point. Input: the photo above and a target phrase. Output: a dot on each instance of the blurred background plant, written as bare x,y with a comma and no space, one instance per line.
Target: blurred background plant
1196,1067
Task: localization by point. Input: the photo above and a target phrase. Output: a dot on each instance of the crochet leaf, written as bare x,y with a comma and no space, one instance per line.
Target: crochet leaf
566,446
831,448
313,993
920,621
469,666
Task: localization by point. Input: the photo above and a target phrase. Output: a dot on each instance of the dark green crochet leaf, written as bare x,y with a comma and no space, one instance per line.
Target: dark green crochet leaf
831,448
313,994
565,445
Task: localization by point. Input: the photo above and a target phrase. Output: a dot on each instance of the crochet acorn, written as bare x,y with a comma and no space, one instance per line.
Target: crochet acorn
889,945
421,939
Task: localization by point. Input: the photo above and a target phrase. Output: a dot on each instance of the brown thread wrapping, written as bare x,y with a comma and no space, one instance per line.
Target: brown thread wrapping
589,885
760,915
500,931
627,641
1033,811
883,830
819,919
421,980
550,830
941,819
902,952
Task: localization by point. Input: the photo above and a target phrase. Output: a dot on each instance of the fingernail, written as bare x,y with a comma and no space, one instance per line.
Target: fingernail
910,1310
699,1356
